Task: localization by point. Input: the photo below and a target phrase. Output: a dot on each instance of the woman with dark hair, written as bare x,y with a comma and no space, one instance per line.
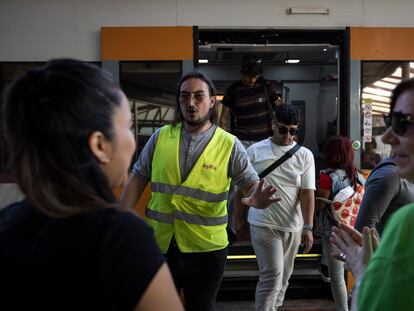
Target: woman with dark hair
67,246
384,272
340,173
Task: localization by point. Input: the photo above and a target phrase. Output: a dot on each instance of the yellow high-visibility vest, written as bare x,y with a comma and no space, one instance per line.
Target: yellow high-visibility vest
194,211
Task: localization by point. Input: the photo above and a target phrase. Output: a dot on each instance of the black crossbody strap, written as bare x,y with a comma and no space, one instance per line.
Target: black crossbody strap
279,161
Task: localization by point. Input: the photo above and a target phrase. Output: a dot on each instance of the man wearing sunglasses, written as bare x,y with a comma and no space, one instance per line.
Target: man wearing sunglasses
277,232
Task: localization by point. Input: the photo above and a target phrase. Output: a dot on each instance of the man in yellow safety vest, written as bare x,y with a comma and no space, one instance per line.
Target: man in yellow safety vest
190,165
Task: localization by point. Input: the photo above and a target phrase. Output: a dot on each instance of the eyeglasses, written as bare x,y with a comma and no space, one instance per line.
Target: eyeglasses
283,130
186,97
398,121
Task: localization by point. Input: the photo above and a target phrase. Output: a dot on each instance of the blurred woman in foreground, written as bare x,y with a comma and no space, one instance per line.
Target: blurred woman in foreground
67,246
385,279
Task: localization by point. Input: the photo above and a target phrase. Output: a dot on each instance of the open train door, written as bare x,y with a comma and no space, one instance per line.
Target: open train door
310,69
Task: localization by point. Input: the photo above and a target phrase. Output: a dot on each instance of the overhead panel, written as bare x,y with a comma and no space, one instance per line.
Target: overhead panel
147,43
382,43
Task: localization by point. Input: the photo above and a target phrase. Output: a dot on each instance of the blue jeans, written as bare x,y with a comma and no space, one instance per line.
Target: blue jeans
336,273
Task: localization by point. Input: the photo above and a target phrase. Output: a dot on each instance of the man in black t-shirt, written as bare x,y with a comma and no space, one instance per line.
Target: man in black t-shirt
251,119
248,101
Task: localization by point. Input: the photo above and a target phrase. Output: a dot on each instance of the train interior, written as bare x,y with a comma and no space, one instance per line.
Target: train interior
305,71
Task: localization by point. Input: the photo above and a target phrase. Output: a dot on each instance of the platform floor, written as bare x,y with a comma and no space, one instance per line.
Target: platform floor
290,305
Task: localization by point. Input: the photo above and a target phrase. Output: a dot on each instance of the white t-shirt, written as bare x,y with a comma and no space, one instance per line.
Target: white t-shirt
297,172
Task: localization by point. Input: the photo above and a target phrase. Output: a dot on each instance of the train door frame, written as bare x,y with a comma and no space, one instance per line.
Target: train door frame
241,259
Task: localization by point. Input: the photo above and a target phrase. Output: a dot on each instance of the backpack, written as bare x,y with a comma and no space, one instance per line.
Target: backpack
344,206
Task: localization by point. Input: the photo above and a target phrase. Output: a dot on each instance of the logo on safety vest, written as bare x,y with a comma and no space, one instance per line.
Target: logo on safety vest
209,166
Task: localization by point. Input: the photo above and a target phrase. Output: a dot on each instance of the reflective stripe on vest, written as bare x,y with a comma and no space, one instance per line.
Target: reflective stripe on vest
168,218
190,192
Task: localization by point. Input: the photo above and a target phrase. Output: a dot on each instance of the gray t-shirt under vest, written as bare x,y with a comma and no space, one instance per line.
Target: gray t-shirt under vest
190,149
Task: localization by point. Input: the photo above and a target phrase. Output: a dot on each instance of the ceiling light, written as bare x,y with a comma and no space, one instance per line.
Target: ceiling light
391,80
203,61
380,109
384,85
397,73
324,49
292,61
322,11
377,98
376,91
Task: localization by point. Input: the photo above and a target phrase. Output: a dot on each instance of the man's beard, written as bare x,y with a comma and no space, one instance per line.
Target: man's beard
200,122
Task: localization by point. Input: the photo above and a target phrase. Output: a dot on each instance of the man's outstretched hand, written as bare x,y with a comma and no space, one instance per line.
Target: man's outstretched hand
260,196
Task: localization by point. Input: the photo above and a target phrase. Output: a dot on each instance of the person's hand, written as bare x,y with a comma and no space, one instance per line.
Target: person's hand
353,233
307,240
375,239
353,248
261,197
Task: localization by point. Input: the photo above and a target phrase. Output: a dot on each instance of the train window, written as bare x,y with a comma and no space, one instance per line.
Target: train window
150,87
9,71
378,81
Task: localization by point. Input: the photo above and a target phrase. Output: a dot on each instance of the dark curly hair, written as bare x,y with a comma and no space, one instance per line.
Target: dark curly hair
287,114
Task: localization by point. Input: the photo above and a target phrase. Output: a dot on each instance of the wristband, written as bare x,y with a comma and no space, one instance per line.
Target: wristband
306,226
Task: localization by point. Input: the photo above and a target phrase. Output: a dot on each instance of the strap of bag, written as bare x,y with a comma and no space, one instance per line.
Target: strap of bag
269,104
324,200
279,161
328,211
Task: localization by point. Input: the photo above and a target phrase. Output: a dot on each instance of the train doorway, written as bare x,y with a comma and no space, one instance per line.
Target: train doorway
309,69
306,67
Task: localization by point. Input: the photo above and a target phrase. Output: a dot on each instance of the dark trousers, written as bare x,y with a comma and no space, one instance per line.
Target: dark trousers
198,274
